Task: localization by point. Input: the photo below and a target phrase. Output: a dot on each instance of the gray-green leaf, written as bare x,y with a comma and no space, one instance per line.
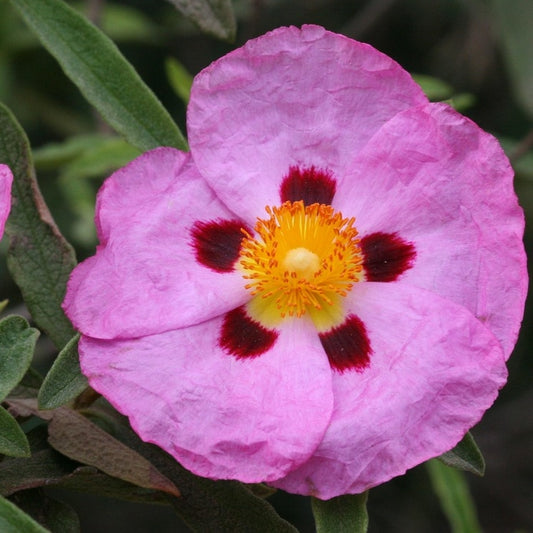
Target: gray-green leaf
17,342
13,520
39,258
215,17
13,441
64,380
465,456
344,514
93,62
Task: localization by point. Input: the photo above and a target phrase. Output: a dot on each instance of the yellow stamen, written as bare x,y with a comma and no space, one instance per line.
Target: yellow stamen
303,259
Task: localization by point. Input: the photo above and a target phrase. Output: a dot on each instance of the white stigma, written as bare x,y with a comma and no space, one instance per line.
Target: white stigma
301,261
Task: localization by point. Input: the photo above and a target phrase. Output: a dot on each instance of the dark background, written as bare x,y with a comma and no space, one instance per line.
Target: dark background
481,52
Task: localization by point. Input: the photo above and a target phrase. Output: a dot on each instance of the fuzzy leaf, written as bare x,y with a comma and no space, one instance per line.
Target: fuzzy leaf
64,380
39,257
465,456
212,16
13,520
73,435
344,514
17,342
13,441
106,79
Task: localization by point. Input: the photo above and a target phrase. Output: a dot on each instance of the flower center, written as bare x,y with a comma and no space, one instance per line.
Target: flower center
303,259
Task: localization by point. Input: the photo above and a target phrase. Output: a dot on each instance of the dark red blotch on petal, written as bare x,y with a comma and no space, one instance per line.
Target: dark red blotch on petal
386,256
311,185
347,346
243,337
218,243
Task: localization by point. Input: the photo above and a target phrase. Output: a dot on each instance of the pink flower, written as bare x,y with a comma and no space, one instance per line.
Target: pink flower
6,179
324,291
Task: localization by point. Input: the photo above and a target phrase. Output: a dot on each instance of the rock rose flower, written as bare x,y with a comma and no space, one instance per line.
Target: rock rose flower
324,291
6,179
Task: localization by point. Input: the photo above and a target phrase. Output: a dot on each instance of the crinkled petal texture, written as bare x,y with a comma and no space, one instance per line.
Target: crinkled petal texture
144,278
435,369
435,178
6,180
152,307
219,416
292,97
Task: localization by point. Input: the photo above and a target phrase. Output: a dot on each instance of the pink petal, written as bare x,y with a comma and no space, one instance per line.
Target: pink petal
6,179
438,181
145,278
289,98
221,417
434,370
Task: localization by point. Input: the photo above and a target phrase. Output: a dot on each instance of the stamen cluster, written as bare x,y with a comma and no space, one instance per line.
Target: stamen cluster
302,258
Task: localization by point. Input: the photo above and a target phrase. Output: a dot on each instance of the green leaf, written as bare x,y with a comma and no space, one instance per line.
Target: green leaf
513,19
344,514
101,160
179,78
13,520
17,343
439,91
435,89
73,435
55,155
462,101
454,495
39,257
64,380
13,441
465,456
93,62
215,17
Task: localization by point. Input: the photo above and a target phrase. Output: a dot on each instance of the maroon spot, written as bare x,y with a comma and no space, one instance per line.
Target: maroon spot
386,256
242,336
310,185
218,243
347,346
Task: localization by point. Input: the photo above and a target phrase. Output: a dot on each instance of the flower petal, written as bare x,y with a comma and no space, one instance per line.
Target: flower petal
435,369
250,419
293,97
435,179
6,179
145,277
